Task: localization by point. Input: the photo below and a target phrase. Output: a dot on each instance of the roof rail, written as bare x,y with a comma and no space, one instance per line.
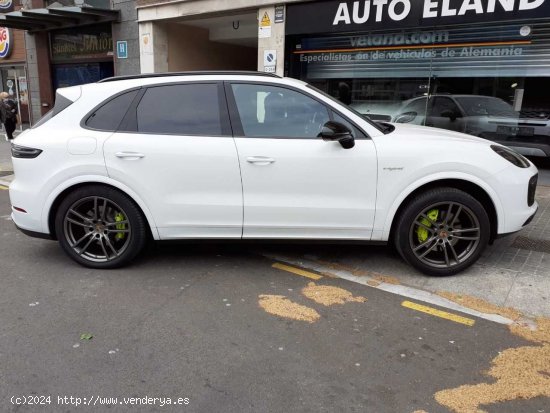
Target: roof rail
190,73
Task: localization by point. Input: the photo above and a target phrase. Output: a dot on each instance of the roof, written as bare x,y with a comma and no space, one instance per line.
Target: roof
35,20
190,73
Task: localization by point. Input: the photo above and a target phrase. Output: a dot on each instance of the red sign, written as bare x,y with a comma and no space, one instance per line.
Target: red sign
6,6
5,42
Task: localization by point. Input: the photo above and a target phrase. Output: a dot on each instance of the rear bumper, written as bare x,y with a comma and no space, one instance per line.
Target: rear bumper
34,234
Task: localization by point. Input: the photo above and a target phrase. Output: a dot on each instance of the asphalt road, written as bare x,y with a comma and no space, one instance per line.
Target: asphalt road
185,322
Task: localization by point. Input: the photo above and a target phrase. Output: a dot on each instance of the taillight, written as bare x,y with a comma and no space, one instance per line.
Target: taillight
18,151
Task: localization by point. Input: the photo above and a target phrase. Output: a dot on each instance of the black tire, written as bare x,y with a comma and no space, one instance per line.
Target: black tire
442,231
110,237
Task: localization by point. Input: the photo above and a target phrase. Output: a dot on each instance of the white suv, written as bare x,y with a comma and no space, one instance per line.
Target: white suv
233,155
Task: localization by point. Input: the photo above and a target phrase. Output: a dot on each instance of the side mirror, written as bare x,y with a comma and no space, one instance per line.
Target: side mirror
451,114
336,131
405,117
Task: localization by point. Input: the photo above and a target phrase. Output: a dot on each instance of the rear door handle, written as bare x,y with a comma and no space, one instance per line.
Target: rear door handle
131,156
260,160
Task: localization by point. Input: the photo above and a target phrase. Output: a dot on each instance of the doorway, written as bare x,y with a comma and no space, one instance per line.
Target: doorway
214,43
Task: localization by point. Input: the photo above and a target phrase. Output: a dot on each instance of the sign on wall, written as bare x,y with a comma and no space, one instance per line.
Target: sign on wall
280,14
264,30
23,91
88,42
122,49
6,6
347,16
511,49
5,42
270,61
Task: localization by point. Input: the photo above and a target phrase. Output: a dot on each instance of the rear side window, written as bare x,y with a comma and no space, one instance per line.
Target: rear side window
192,109
109,115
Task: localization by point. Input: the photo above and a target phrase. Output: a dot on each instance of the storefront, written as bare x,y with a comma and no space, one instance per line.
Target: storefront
54,44
13,73
475,66
81,55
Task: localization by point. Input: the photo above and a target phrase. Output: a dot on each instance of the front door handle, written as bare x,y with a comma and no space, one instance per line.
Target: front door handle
260,160
131,156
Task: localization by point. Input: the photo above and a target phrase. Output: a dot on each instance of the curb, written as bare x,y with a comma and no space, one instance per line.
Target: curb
400,289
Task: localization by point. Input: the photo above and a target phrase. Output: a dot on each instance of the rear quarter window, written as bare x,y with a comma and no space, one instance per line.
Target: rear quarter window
109,115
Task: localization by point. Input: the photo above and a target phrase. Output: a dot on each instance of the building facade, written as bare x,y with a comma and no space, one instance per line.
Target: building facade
61,43
13,68
211,34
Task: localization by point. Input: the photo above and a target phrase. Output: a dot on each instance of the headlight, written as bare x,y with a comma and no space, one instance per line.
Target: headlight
512,156
406,117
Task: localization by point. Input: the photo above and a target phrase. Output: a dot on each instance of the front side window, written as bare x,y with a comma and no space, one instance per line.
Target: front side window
270,111
191,109
444,105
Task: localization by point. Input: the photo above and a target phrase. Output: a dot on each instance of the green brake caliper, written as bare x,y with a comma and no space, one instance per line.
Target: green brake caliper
421,232
119,218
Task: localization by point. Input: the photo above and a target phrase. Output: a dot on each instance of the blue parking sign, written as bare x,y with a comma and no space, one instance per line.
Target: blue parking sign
122,49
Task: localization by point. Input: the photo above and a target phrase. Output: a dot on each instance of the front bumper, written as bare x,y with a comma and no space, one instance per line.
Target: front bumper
512,188
507,234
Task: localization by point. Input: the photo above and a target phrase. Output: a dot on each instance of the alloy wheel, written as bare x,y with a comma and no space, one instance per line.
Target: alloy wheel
445,234
97,229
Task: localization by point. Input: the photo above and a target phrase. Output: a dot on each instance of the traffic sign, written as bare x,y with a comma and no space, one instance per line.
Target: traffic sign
122,49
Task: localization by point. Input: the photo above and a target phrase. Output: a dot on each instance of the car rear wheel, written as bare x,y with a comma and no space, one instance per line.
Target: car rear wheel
442,231
100,227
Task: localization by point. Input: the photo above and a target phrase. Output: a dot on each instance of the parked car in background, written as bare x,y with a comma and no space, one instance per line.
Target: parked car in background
484,116
255,156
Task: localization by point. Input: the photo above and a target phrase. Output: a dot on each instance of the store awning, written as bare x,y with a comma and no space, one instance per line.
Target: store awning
35,20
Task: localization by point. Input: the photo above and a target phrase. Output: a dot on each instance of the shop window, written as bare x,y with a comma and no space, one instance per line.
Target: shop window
109,116
486,80
191,109
268,111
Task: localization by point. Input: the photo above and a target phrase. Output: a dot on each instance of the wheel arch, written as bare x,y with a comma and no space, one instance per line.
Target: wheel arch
57,197
472,188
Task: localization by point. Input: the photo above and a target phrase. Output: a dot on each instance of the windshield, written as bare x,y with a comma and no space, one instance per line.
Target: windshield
377,126
486,106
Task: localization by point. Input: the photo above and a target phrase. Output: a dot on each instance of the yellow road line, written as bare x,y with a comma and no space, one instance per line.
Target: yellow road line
438,313
3,188
297,271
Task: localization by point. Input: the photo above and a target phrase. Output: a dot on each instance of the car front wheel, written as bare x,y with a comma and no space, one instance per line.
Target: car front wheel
442,231
100,227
